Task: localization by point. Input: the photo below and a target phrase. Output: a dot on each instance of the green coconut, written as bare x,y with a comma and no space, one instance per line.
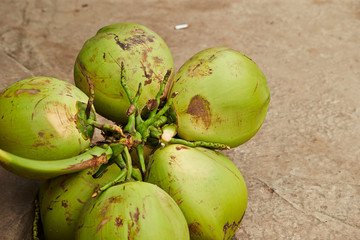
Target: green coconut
222,97
40,119
206,185
62,199
146,59
133,210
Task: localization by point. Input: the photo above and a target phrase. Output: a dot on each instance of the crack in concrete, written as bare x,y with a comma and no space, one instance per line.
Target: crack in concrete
272,190
19,64
323,180
323,216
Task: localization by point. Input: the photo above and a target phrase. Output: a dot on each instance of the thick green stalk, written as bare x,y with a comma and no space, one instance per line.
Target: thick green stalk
140,153
119,179
102,168
41,169
136,174
128,162
119,160
115,158
160,122
155,132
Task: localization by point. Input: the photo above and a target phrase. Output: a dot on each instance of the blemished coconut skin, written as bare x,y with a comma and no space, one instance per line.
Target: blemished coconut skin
206,185
146,59
62,199
223,97
132,210
39,119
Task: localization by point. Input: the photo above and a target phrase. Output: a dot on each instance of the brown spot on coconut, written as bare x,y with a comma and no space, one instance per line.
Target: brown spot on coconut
199,108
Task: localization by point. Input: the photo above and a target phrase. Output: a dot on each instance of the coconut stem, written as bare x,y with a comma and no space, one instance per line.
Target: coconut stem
134,117
115,129
136,174
127,158
142,128
123,84
91,97
140,153
102,169
155,132
160,122
120,178
211,145
160,93
119,160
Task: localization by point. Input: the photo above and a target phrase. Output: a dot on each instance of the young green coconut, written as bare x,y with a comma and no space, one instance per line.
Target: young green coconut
222,96
46,129
146,59
132,210
206,185
43,118
61,200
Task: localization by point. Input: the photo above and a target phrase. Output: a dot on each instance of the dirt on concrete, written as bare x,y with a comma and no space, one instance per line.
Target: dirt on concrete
301,169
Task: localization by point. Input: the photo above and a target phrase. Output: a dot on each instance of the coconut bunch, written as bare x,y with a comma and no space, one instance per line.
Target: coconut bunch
157,172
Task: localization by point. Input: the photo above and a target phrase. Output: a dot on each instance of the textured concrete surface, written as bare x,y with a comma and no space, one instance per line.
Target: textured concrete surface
302,168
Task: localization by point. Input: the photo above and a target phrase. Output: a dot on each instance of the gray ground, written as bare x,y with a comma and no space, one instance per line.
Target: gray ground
302,168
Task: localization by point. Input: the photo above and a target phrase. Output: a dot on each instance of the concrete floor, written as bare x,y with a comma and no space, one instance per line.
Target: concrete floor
302,168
